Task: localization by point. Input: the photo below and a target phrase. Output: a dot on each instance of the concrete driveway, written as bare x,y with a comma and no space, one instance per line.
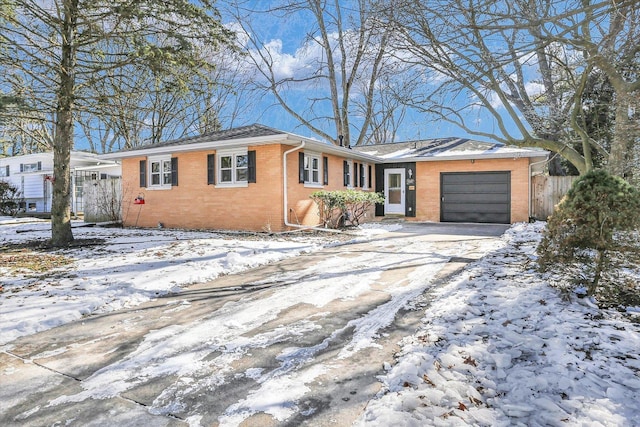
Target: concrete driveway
292,343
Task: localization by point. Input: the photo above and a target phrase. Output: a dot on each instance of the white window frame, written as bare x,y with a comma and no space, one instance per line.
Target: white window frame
30,167
309,157
163,173
3,171
235,181
365,176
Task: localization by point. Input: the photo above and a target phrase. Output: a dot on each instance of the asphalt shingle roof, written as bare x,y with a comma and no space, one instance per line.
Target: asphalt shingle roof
250,131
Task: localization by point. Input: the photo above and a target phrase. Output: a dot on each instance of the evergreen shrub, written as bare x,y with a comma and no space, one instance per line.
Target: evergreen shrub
592,239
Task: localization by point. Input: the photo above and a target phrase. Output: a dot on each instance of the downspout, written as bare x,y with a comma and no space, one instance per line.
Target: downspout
285,197
530,182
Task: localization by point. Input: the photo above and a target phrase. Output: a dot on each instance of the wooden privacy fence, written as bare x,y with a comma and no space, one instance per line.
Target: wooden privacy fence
546,193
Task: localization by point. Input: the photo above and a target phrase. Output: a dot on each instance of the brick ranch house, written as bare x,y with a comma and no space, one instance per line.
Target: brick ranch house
258,178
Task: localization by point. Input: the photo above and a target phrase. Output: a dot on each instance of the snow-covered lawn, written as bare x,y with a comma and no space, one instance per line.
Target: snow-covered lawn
131,266
499,347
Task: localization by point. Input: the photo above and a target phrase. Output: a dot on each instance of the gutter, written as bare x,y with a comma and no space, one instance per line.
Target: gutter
286,199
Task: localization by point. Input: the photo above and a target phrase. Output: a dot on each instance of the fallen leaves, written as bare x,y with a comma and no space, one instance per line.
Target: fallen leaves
470,361
26,260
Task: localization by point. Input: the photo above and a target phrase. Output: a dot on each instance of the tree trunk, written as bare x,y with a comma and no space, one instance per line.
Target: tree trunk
625,134
61,234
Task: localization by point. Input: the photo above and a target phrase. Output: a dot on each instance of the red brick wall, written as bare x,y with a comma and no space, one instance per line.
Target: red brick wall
195,205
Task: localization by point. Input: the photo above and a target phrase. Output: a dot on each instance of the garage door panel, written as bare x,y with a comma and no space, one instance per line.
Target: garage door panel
481,217
476,197
479,177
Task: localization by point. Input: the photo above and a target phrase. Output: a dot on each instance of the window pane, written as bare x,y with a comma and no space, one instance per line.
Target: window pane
241,174
306,175
155,179
155,167
225,175
315,176
242,161
166,166
226,162
167,178
314,163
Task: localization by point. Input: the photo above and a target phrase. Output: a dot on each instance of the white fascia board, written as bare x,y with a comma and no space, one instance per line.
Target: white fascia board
339,151
477,156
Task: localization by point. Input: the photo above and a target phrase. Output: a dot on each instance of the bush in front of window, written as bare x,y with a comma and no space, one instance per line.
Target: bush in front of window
340,207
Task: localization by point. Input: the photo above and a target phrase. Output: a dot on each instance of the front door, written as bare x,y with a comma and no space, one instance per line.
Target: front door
394,191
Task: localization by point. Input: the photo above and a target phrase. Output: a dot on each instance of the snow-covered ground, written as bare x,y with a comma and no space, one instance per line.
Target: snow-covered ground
498,346
131,267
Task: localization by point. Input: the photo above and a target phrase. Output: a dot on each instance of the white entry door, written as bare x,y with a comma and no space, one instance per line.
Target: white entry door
394,191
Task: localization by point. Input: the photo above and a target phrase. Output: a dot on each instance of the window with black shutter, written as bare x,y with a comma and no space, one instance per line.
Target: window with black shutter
356,169
211,168
301,167
143,173
174,171
251,171
325,170
346,174
362,177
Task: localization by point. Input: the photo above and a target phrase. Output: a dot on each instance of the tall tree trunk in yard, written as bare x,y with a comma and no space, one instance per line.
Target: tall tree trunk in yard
627,133
61,234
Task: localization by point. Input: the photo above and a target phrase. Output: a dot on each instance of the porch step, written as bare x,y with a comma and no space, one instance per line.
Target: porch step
393,218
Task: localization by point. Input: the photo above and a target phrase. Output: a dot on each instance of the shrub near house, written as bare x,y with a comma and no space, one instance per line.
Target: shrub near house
593,234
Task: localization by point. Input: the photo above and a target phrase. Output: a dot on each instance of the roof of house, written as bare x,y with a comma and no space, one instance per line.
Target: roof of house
447,149
255,134
244,132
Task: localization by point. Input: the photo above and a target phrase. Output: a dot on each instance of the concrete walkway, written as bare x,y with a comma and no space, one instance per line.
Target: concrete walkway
104,370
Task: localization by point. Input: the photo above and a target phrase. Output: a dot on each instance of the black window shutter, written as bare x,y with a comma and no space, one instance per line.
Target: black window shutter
174,171
8,170
251,169
361,174
370,186
143,173
21,167
39,166
345,173
325,170
300,167
211,168
356,168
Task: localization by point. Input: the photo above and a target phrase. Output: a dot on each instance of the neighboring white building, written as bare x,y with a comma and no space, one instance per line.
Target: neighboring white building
33,175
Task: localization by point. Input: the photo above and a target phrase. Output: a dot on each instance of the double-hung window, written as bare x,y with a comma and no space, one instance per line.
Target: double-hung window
312,169
233,168
160,171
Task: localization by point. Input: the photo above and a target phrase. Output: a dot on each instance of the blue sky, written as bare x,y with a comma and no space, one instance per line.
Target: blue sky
285,38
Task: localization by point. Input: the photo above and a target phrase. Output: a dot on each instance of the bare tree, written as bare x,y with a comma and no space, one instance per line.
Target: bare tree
342,63
67,46
519,64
